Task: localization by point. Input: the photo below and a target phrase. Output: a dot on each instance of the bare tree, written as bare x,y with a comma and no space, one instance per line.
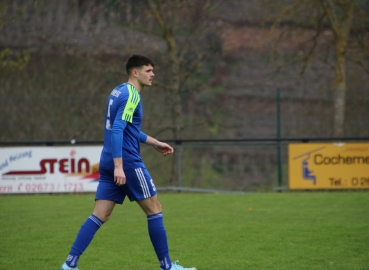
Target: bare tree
334,31
186,30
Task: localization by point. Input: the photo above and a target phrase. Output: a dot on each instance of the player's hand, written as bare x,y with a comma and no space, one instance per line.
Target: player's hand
119,176
164,148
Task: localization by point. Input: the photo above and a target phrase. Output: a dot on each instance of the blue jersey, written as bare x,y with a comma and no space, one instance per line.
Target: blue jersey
122,126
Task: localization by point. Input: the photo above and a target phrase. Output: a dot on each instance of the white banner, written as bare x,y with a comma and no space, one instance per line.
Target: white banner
49,169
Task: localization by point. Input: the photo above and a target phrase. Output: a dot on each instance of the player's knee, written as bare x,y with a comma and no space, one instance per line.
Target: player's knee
150,205
104,217
155,206
160,208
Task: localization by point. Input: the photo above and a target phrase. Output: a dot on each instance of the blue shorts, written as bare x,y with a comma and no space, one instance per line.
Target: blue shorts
139,185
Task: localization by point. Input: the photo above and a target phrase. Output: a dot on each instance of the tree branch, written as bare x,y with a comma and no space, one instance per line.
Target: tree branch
358,62
315,42
329,10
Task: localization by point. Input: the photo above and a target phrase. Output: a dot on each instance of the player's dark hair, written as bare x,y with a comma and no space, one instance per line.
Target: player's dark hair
137,61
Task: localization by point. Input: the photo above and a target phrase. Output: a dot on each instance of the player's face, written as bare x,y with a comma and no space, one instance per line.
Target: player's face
145,75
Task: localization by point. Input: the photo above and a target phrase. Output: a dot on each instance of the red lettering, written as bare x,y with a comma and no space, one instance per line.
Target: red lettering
83,166
63,167
6,188
72,165
87,165
51,162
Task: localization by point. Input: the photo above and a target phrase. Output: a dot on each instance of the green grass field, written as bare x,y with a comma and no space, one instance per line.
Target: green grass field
297,230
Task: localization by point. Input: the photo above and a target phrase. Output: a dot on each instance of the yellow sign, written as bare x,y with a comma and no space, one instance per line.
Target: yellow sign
328,166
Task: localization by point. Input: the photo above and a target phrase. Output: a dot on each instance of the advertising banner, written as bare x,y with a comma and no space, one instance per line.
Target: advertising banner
49,169
328,166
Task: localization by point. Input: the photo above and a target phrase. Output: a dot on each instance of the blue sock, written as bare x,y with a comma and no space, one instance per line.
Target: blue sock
83,239
159,239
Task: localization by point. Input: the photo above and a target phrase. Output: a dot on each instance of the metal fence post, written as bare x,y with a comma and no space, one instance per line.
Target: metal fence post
279,154
179,162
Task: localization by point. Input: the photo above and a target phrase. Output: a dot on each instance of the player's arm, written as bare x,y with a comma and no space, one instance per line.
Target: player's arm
161,147
117,140
127,103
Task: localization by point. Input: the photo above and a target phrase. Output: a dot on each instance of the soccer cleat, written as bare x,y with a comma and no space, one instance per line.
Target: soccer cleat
176,266
66,267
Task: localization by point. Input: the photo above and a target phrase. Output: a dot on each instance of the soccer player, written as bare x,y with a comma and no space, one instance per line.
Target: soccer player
122,171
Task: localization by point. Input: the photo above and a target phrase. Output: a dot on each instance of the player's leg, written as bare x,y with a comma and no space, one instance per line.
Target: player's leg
152,207
107,195
155,223
144,192
101,214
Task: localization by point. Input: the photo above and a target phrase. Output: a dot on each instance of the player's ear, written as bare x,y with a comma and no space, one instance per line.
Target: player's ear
134,72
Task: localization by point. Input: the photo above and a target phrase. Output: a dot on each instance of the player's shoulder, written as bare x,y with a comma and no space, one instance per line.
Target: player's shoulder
121,91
